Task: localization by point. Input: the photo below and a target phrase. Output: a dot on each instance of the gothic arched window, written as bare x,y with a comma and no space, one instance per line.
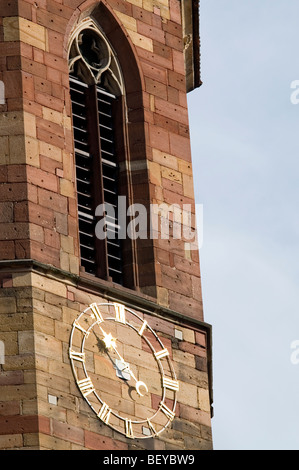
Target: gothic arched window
98,111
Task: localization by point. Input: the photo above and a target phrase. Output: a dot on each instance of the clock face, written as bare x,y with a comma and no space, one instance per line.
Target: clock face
123,370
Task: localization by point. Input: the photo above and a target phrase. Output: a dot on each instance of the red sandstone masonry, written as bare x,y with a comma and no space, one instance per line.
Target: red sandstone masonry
61,426
18,425
95,442
43,74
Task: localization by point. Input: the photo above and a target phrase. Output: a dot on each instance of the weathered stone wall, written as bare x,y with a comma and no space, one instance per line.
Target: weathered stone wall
37,192
38,221
37,312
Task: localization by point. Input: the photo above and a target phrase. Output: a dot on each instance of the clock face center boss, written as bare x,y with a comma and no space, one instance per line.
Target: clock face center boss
123,370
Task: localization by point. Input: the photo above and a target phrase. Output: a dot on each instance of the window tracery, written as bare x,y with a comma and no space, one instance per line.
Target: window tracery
92,59
97,96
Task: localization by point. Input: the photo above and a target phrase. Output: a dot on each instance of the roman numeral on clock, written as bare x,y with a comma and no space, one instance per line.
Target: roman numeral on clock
129,429
153,431
168,413
96,312
77,356
104,413
170,384
86,386
143,326
120,315
161,354
79,327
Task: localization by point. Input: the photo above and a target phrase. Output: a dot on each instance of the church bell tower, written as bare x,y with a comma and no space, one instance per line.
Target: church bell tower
103,343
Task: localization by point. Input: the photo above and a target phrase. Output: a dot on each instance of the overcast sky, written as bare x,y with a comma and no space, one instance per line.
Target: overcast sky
245,147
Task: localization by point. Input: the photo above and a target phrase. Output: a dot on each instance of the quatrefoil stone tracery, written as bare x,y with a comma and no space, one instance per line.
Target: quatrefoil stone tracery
92,59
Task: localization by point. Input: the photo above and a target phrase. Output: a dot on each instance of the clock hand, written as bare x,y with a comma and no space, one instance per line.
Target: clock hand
111,343
139,383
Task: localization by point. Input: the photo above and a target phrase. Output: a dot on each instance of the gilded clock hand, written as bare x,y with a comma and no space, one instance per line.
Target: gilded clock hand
127,368
139,383
111,343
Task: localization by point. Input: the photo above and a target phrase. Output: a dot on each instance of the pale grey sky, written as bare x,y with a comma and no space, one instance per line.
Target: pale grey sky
245,148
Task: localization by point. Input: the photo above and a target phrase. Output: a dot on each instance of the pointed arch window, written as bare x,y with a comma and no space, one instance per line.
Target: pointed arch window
98,110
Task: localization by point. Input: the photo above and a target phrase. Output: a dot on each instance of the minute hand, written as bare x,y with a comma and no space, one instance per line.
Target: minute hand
109,342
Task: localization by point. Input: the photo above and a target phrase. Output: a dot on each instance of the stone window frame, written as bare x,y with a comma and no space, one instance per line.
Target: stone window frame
97,67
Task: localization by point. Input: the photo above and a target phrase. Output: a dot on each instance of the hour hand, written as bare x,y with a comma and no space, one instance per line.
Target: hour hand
122,369
138,386
124,372
110,342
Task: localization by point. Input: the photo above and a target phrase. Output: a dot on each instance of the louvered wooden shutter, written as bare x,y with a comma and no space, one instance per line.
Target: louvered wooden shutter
110,181
97,177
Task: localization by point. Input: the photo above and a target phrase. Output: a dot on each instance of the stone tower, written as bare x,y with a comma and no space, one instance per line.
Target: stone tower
103,341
